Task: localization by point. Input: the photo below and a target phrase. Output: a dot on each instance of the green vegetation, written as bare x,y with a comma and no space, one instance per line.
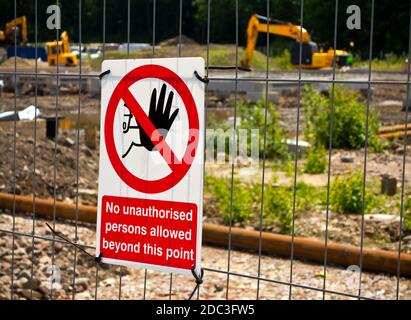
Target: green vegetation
216,121
243,198
278,207
283,61
318,20
391,62
253,117
289,168
347,196
226,20
349,121
316,161
225,55
278,201
407,214
220,55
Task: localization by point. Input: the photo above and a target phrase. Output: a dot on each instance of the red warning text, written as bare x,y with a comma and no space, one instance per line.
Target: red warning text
148,231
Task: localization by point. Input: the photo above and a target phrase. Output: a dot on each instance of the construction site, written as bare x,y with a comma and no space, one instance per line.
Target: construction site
333,207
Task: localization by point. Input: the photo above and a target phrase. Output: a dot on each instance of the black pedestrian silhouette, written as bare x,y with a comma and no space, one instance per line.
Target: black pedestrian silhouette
159,116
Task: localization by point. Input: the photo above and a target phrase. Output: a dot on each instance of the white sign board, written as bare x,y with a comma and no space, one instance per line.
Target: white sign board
150,199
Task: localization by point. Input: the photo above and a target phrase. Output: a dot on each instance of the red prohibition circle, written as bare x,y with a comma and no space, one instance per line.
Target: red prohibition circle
179,170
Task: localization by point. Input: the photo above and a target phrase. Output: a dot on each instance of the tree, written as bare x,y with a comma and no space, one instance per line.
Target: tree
391,21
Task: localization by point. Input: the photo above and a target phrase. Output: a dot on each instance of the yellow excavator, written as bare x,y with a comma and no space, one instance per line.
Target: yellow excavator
59,52
311,56
12,28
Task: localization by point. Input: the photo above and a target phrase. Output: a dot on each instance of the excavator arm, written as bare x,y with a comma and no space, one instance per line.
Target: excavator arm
10,26
65,38
275,27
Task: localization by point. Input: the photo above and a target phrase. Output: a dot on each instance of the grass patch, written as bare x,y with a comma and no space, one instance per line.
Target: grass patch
391,62
220,55
226,55
283,61
278,201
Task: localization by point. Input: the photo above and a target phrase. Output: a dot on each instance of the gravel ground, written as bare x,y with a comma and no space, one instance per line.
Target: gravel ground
379,286
383,234
63,170
342,228
66,103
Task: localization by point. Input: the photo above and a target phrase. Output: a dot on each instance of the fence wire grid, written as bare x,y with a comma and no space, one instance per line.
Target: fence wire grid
148,286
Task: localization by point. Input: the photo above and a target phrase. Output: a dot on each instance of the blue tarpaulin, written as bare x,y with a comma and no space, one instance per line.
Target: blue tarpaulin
28,52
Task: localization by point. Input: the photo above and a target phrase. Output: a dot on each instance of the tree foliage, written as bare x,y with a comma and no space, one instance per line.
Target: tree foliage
391,21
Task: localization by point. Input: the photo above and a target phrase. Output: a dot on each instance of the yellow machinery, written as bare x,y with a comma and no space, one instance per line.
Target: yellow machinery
311,56
59,52
12,29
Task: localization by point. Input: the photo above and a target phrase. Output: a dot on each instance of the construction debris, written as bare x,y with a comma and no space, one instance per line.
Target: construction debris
29,113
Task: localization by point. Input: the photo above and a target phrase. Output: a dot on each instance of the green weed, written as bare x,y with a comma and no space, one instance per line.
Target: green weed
349,120
316,161
347,195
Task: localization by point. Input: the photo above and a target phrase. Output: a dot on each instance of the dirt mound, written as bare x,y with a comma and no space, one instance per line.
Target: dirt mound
176,41
54,162
23,63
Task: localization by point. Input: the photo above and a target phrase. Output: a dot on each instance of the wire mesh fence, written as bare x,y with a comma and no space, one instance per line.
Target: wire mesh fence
36,264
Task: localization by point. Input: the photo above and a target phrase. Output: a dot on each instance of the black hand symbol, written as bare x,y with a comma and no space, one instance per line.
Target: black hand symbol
159,116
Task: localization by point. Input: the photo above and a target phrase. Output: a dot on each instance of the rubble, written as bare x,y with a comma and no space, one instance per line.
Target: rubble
157,284
57,161
50,163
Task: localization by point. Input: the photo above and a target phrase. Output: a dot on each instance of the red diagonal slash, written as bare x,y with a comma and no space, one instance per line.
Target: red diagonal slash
156,138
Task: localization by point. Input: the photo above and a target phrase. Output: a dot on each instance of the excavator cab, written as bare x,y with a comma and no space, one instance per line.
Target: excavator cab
311,56
307,51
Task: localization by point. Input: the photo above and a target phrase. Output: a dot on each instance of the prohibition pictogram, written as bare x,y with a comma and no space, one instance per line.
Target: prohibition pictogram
178,167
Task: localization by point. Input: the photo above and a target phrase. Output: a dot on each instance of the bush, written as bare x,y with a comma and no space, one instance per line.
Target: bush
316,161
349,120
346,195
278,201
283,60
253,117
289,168
243,199
309,197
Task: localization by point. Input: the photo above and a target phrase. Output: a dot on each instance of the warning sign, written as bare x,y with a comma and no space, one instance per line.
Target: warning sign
151,164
